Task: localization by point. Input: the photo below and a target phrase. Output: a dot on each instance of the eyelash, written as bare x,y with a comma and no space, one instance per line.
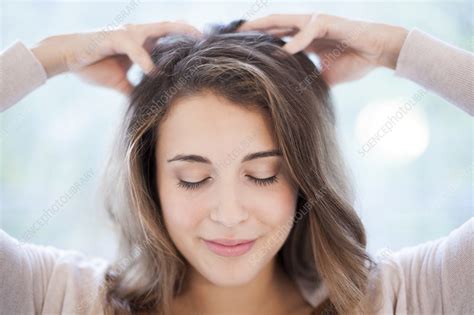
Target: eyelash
258,181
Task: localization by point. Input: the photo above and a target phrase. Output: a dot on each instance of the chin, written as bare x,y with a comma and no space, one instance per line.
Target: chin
229,277
225,271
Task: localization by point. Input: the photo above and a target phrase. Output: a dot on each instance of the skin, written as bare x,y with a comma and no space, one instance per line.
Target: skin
228,205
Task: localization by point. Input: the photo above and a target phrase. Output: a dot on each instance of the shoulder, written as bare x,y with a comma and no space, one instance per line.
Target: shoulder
433,277
46,279
78,279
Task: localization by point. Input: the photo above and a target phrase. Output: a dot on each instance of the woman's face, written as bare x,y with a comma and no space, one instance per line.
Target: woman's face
209,140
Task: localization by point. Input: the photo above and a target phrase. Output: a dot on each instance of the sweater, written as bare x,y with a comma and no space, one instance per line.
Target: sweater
436,277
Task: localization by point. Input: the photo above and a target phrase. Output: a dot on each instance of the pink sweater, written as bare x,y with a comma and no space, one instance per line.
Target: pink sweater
436,277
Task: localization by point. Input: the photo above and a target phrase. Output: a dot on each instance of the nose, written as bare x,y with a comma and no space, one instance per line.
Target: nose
229,212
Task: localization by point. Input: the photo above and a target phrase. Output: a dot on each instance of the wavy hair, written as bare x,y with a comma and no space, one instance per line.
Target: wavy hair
327,242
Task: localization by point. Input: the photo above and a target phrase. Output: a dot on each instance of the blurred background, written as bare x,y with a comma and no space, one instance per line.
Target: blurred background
413,186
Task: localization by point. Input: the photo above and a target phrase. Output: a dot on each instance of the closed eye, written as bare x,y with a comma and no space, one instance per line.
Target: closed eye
264,181
191,185
258,181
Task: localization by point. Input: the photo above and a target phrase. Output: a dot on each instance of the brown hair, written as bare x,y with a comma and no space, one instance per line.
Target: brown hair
327,240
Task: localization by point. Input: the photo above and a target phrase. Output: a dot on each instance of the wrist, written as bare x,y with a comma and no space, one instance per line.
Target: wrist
393,46
50,58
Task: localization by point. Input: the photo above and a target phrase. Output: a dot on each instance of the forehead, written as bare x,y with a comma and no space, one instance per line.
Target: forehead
212,125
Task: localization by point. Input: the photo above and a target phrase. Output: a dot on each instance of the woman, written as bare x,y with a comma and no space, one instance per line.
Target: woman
209,228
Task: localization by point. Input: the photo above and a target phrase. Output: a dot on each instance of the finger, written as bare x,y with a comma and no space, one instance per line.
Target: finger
149,44
322,44
299,42
275,20
160,29
306,36
282,32
326,26
137,54
341,69
131,42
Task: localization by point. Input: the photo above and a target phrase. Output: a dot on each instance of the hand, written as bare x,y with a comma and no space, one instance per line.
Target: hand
104,58
348,49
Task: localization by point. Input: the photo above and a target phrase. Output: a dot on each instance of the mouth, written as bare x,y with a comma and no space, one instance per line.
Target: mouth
229,248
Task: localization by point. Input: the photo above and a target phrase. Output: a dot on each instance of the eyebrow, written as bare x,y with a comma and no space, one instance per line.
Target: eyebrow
201,159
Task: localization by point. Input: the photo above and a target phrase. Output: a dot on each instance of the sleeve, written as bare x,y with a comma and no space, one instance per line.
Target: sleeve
438,276
439,67
46,280
20,73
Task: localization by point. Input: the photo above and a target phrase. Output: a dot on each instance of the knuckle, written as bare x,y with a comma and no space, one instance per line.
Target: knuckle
129,27
166,24
117,36
128,30
320,25
133,50
318,18
322,15
274,17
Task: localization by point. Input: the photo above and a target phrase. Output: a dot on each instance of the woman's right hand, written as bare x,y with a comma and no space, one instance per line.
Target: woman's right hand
348,49
104,57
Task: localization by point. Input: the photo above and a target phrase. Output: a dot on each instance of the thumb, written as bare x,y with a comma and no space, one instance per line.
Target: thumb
304,37
299,42
323,26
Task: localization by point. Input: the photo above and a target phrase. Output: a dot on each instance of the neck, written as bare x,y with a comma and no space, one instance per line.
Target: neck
270,288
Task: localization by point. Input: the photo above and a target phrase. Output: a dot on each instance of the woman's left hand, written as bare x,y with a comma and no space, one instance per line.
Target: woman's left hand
104,57
348,49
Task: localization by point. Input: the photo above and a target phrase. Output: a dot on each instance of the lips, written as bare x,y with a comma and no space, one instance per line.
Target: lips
227,242
229,248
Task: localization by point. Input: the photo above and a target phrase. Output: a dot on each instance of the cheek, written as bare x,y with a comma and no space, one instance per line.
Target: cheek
274,208
276,213
182,215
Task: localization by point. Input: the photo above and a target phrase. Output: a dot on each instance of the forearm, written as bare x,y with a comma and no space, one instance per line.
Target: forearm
20,73
50,56
439,67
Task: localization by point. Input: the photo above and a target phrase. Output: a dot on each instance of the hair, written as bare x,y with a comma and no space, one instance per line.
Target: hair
327,242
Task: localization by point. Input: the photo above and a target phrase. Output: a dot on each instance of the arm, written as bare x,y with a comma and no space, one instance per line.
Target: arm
438,66
435,277
349,49
21,73
43,279
441,272
100,58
